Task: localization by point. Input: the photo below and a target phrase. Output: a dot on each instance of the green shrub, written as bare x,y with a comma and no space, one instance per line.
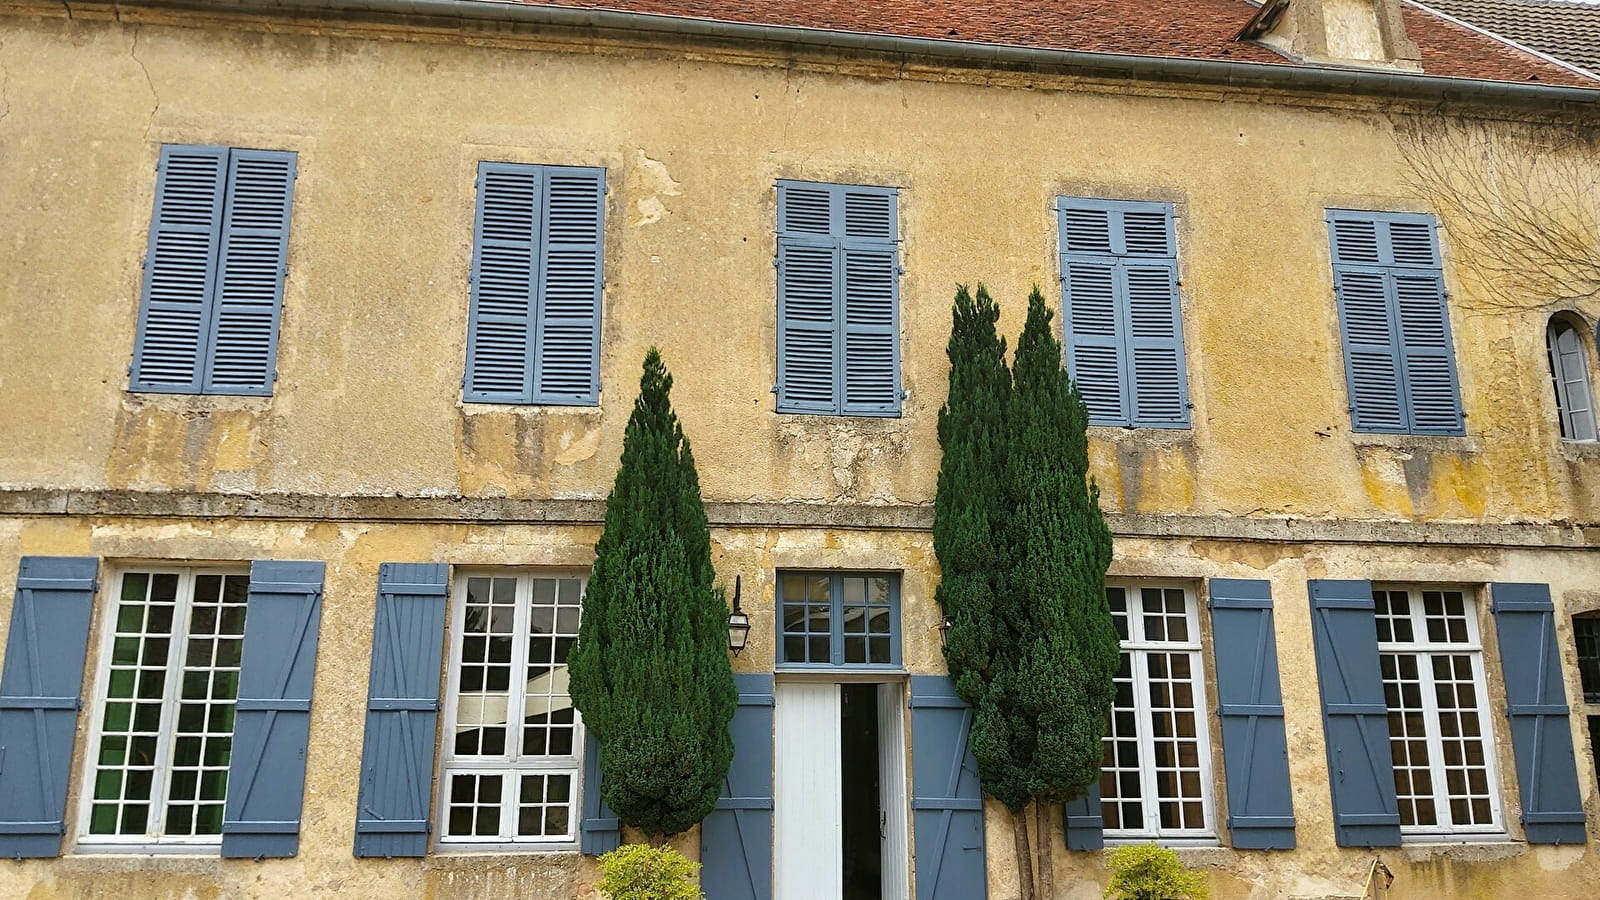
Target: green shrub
642,872
1148,872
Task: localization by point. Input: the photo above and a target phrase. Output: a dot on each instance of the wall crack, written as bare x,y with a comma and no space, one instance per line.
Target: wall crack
155,96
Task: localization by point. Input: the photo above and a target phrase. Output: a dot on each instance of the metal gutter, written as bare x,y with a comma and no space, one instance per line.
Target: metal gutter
1323,79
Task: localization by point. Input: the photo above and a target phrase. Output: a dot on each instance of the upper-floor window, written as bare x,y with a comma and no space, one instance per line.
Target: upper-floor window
1431,659
1398,356
163,728
214,271
836,619
1120,311
1569,370
1155,777
513,752
838,299
1586,634
533,332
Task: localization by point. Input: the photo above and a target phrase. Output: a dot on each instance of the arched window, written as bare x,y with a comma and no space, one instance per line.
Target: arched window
1569,368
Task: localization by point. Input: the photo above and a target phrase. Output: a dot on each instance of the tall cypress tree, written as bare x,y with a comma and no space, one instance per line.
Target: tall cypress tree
1060,549
650,673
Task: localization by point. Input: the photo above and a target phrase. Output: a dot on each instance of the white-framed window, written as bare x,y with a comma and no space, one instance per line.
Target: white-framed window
512,760
1569,371
1155,777
1439,737
166,685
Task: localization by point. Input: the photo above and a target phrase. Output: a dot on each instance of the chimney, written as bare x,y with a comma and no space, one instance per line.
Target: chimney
1368,34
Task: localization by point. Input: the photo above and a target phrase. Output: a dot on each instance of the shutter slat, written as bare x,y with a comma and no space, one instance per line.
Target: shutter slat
1094,354
1428,363
506,244
46,647
394,805
272,721
868,214
1536,703
871,363
1155,339
947,801
249,289
567,342
1250,705
180,266
1355,718
736,838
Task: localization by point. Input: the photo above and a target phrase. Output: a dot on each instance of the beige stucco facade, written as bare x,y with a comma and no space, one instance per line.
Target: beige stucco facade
365,454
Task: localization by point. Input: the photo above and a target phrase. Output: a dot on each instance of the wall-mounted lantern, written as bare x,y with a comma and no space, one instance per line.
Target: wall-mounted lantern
944,627
738,623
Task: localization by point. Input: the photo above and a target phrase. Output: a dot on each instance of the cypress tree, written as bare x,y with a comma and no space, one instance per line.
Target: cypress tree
650,673
1060,546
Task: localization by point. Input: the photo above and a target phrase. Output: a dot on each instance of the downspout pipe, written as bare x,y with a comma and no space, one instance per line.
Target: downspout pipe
1320,79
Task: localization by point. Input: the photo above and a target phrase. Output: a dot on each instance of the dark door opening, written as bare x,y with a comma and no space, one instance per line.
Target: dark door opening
861,812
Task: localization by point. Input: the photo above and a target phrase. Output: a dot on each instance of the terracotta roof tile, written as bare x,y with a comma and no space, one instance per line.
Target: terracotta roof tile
1193,29
1567,31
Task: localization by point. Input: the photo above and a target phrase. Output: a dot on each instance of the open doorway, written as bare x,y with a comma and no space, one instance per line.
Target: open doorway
861,808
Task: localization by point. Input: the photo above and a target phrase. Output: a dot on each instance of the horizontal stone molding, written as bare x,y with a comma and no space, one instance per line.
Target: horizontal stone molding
36,502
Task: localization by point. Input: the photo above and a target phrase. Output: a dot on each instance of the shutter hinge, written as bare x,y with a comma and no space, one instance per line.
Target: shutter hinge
774,262
905,395
899,270
774,389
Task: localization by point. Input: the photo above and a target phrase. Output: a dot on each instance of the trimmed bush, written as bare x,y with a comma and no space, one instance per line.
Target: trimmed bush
642,872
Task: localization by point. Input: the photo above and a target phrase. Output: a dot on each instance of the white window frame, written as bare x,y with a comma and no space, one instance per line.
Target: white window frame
1574,394
155,843
1148,789
1425,649
507,765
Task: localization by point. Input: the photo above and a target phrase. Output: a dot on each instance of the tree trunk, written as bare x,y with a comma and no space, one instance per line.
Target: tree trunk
1019,831
1047,869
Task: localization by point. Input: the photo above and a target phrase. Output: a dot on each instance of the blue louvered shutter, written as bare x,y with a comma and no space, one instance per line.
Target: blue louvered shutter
1536,702
1355,718
272,717
180,268
1399,361
736,839
39,700
809,374
1083,822
599,831
869,259
1123,326
1250,705
392,811
506,239
947,801
567,338
242,340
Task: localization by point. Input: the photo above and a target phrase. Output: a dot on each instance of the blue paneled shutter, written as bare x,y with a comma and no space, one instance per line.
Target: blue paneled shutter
267,773
736,839
1083,822
39,699
1250,704
1366,812
947,803
1536,702
838,299
533,333
214,271
396,794
1119,301
1398,356
599,831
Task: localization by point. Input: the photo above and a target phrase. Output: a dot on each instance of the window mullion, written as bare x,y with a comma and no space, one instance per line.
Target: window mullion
518,686
836,619
1436,764
1145,729
177,641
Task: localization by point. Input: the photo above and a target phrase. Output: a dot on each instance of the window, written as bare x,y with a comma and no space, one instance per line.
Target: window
1155,778
512,756
1119,296
533,334
168,682
1433,684
839,619
1569,370
214,270
838,300
1398,357
1586,633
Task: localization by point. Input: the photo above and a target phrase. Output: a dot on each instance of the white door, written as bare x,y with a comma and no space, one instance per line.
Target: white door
808,830
892,788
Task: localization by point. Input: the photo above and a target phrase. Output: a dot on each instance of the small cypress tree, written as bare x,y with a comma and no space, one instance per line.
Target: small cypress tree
1060,549
650,673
